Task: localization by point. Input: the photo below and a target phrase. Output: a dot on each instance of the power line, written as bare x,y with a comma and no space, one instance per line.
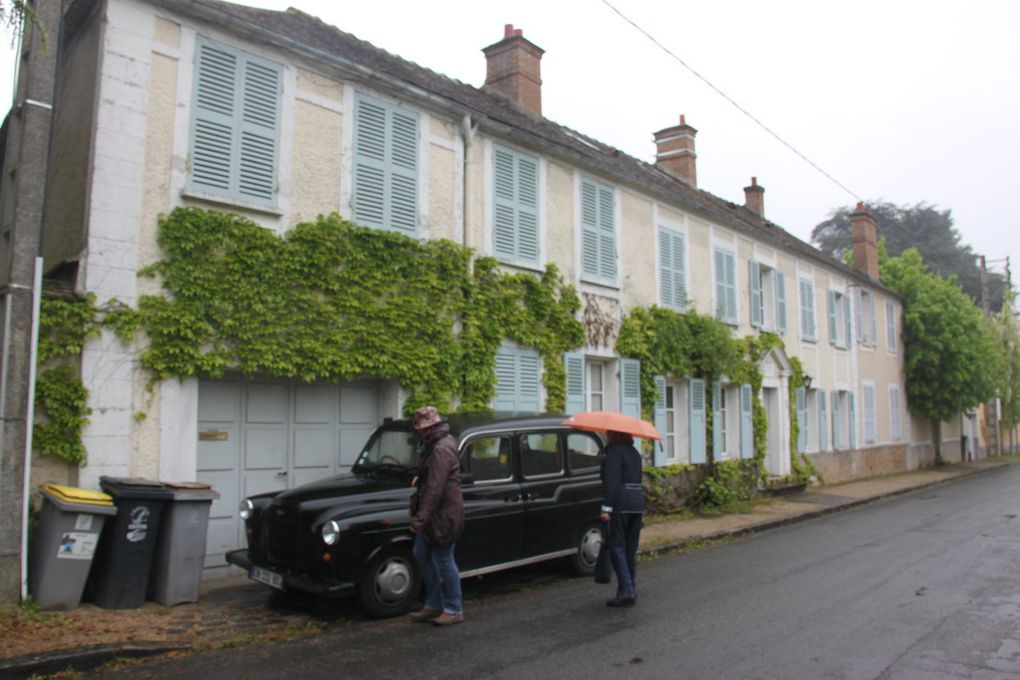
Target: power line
730,100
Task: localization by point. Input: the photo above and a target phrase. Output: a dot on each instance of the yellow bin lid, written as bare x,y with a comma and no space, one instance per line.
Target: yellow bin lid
74,494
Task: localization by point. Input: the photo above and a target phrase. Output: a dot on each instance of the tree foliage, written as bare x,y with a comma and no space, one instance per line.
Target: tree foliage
1008,330
923,227
952,360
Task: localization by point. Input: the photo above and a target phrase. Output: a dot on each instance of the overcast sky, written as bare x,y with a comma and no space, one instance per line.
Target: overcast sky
900,100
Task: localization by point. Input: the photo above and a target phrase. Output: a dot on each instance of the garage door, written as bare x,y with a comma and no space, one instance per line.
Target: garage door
259,435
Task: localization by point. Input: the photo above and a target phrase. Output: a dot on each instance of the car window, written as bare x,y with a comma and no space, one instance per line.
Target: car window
488,458
582,452
541,454
398,447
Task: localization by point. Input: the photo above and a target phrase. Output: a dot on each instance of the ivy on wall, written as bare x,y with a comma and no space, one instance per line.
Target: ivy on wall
326,301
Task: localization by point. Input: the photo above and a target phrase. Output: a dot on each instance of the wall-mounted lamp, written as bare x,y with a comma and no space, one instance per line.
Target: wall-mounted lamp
807,381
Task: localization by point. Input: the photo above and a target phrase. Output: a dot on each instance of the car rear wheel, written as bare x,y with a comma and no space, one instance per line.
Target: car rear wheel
589,539
390,583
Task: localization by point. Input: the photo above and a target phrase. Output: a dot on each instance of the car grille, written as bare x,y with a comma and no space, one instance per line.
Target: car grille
283,529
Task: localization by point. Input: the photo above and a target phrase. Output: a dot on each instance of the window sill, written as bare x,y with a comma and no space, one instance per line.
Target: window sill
527,266
191,194
600,283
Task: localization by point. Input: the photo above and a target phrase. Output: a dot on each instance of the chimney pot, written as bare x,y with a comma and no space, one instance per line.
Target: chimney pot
754,197
674,152
514,69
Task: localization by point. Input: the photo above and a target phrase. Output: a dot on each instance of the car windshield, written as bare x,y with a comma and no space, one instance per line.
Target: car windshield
389,449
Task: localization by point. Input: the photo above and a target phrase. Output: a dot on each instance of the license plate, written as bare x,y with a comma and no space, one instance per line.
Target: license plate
270,578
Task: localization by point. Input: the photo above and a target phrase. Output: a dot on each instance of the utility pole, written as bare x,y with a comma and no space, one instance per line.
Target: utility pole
22,197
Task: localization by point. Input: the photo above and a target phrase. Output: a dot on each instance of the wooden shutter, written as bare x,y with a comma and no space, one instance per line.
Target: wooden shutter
873,335
515,204
868,397
505,398
890,327
746,422
574,364
717,421
807,309
403,172
607,234
260,103
756,300
801,420
720,285
780,279
589,229
836,427
630,387
849,327
504,203
731,288
659,456
894,412
697,420
823,422
725,286
852,421
385,166
858,318
672,284
529,381
830,305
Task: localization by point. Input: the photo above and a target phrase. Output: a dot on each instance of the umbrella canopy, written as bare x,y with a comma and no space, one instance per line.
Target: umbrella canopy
610,421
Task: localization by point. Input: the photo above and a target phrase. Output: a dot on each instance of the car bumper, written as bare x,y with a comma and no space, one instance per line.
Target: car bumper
328,588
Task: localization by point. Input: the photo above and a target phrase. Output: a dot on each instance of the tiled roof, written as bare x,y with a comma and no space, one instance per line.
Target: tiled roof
295,30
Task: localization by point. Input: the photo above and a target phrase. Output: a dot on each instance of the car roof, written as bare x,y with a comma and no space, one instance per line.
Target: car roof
462,424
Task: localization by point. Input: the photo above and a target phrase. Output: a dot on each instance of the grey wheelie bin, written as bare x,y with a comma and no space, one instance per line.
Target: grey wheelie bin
70,522
180,551
120,573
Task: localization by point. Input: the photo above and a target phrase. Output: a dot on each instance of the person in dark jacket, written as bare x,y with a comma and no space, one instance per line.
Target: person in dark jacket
623,504
438,519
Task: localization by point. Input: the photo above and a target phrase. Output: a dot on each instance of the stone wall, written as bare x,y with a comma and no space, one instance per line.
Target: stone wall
844,466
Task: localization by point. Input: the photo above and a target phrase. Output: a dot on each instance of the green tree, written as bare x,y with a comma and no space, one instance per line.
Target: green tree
952,360
1009,384
921,226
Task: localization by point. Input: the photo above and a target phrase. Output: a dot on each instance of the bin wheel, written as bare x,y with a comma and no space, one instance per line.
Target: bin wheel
389,583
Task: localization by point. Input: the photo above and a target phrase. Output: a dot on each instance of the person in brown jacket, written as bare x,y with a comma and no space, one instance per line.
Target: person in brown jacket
438,519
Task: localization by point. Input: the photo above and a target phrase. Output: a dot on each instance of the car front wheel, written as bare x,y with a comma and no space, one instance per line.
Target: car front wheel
390,583
589,539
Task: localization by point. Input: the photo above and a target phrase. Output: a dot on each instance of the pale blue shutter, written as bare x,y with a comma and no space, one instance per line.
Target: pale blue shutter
515,205
852,422
868,397
801,420
697,402
505,398
746,422
573,362
659,455
849,323
890,327
807,309
725,286
589,229
607,234
823,422
212,135
858,316
894,412
731,288
720,285
837,434
672,284
873,337
780,301
529,381
630,387
830,305
385,166
756,305
717,422
260,115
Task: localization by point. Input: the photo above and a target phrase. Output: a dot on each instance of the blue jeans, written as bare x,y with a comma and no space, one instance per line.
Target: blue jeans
624,533
439,574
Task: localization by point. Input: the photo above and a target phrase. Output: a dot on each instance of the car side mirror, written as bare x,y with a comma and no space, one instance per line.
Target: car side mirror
466,478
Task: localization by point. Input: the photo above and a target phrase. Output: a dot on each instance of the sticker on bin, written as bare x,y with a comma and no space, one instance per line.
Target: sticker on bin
77,545
270,578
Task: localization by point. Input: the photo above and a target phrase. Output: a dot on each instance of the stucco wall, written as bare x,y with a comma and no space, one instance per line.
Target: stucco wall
637,251
559,213
840,466
443,177
318,126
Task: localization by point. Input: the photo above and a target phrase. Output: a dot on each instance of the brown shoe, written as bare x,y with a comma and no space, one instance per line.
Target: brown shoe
445,619
424,615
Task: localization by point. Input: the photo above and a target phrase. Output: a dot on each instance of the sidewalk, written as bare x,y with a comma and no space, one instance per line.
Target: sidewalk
236,611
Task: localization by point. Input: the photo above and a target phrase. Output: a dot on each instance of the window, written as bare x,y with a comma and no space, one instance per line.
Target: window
385,166
518,381
515,206
582,452
844,430
865,319
725,421
541,455
725,286
630,387
890,326
720,421
823,422
235,124
807,309
672,281
596,386
802,429
768,298
868,404
488,459
838,307
598,232
895,430
573,363
670,433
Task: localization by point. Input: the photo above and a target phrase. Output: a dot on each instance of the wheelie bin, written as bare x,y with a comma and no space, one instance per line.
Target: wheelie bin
180,551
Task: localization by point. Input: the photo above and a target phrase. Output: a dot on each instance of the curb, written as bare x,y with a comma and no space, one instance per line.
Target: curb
80,659
806,515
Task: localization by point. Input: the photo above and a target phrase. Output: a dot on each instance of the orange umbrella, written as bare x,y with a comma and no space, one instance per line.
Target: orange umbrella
610,421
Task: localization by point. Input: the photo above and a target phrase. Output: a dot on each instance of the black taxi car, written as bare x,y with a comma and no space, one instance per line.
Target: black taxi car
531,493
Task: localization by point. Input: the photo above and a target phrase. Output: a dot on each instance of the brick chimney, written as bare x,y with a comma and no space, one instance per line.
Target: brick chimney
754,197
865,240
514,68
674,152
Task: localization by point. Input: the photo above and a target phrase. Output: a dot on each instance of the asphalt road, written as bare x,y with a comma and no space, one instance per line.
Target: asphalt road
924,586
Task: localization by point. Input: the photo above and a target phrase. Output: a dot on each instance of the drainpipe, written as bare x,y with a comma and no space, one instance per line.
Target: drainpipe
467,135
29,421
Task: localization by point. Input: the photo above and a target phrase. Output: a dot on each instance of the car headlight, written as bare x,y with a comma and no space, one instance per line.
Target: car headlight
245,509
330,532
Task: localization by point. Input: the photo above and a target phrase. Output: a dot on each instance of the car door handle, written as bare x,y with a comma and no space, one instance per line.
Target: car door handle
282,473
520,497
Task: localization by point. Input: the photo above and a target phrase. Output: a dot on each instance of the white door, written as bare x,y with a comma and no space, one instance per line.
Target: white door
257,435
